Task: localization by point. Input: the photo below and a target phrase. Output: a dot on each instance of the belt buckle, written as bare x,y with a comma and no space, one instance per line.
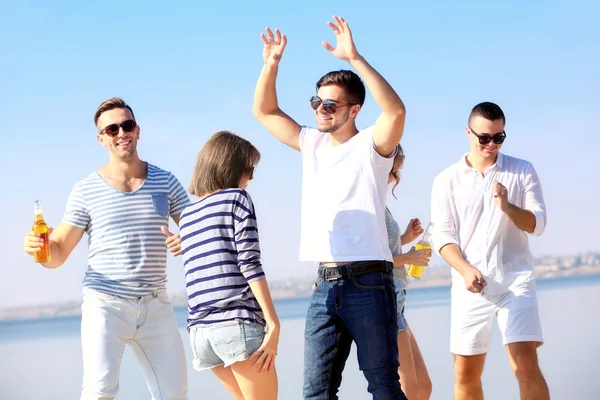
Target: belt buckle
333,273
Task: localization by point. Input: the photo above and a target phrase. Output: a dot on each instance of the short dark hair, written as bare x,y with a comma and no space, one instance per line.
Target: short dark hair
111,104
222,163
349,81
487,110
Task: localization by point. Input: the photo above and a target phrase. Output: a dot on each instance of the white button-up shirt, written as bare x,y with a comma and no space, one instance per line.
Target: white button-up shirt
464,212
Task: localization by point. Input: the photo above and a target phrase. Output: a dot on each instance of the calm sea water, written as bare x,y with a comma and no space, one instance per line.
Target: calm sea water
286,309
41,359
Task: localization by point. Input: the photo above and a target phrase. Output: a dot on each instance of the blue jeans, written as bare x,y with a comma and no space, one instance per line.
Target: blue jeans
360,309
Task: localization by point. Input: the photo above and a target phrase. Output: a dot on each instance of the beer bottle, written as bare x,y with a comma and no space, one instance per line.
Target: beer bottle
40,226
416,271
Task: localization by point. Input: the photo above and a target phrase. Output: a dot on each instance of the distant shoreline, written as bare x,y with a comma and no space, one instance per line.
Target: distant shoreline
299,288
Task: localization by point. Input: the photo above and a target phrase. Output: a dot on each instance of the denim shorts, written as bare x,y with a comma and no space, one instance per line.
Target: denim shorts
401,284
224,343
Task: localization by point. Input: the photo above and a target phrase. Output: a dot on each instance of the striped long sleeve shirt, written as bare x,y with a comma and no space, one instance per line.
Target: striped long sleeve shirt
221,256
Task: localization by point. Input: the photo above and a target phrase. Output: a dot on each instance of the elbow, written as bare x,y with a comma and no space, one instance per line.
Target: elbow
398,110
51,265
539,223
397,114
257,112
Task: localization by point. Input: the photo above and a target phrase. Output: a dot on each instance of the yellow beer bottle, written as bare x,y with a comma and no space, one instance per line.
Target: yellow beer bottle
416,271
40,226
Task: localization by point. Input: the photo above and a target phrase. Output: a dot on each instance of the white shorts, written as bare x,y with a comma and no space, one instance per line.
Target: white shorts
472,318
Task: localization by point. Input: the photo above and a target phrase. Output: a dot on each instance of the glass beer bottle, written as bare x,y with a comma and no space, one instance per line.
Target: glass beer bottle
416,271
40,226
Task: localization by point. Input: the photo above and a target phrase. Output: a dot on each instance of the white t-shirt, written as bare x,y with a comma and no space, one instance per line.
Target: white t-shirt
344,191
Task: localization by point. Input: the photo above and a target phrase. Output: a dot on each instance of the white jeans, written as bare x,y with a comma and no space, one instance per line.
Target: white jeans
148,325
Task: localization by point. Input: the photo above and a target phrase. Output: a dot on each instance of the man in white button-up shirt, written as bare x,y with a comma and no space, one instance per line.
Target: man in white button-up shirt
482,209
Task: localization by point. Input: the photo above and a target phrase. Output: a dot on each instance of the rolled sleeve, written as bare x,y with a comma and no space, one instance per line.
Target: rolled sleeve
533,200
442,217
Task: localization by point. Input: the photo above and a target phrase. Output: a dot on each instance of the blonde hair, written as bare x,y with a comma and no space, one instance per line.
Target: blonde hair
222,163
395,171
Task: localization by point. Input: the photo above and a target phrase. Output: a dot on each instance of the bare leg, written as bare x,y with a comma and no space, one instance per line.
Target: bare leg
524,362
408,375
227,379
253,384
424,385
467,377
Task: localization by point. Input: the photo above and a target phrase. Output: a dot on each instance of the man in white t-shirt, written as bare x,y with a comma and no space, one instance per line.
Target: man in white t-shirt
482,208
344,187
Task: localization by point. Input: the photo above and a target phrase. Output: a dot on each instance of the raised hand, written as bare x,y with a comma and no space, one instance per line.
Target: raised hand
173,241
345,49
500,193
274,46
413,230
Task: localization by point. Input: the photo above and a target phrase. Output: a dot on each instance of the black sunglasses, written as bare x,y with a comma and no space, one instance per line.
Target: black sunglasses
329,106
498,138
113,129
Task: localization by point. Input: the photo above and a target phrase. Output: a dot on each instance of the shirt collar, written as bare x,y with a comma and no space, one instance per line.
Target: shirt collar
464,167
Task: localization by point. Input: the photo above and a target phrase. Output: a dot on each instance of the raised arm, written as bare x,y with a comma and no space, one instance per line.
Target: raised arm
265,107
532,217
389,126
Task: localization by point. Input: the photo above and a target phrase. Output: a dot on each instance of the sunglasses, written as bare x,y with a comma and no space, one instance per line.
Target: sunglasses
113,129
498,138
329,106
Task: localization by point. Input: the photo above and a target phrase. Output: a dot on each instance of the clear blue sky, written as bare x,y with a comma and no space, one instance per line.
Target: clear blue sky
188,69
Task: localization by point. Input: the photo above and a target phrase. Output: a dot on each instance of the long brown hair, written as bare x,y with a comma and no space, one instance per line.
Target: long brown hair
396,171
222,163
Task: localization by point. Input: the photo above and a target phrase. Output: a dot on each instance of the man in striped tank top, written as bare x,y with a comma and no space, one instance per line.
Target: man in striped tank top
124,207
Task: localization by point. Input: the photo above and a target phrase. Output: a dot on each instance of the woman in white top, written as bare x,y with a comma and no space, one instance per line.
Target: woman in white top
414,377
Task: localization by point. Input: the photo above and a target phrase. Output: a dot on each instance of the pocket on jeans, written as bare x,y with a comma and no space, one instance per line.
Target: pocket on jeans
373,281
317,283
255,335
164,298
229,340
160,202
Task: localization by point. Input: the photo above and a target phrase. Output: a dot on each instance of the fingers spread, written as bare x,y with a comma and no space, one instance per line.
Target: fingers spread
334,27
328,47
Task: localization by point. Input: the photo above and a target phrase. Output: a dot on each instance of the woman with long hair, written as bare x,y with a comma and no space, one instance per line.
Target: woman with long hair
414,377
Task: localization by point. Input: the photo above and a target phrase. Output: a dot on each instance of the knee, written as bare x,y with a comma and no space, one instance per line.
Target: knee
465,375
526,368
